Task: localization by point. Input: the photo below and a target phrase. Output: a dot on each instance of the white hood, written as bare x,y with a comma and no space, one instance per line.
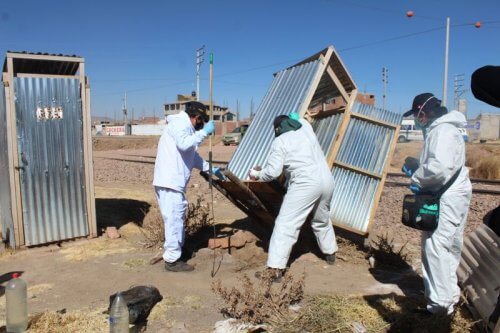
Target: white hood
454,118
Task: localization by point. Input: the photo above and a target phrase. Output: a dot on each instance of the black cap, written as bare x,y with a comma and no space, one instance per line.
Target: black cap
198,107
425,102
485,85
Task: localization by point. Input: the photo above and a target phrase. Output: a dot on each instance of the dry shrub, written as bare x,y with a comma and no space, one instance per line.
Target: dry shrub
383,250
487,167
376,313
77,321
349,251
95,248
263,302
198,217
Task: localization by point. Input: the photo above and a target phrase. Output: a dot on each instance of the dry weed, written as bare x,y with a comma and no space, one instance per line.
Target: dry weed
487,167
263,302
383,250
77,321
197,217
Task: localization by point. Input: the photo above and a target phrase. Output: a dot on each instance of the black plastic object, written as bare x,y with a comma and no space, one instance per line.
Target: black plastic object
140,301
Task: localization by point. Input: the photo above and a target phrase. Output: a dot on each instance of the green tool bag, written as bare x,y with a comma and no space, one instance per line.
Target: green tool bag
421,211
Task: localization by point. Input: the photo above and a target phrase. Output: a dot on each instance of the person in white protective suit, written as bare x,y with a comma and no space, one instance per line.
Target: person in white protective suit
296,152
443,155
177,156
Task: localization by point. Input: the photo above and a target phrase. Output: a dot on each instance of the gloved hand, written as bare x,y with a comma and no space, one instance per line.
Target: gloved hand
218,173
410,166
254,174
415,188
407,171
209,127
294,116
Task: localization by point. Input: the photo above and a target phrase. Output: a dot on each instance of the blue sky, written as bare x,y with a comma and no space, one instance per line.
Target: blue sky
148,48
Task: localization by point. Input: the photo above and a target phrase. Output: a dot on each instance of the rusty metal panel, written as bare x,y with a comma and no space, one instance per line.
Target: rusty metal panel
6,222
50,146
286,94
479,271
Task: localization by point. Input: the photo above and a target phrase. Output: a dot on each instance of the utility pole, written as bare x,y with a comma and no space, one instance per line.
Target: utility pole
124,109
447,46
385,81
458,89
251,109
199,60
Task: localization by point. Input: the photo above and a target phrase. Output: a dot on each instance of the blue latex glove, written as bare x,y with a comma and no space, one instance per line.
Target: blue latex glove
209,127
294,116
217,172
407,171
415,188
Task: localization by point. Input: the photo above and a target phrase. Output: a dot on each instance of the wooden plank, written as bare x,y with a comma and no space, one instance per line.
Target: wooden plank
374,121
15,184
357,170
14,55
349,229
342,129
49,76
245,189
380,188
314,85
87,151
337,83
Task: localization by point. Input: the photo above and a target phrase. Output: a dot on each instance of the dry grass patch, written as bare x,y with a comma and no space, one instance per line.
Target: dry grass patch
385,253
134,263
77,321
160,310
97,248
262,302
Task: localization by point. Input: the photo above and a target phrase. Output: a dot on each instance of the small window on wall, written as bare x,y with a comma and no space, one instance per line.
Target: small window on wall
216,117
229,117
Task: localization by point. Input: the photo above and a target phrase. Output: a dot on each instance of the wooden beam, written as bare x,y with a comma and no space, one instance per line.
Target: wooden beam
48,76
14,171
337,83
374,121
13,55
356,169
245,190
87,152
314,85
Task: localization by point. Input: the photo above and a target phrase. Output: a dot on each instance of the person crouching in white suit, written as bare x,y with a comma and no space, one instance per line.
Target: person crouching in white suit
296,152
177,155
442,157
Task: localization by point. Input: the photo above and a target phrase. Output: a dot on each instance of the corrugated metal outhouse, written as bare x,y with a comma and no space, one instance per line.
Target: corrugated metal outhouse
46,174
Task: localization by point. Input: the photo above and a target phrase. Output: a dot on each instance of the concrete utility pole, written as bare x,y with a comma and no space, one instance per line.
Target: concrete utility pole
199,60
124,109
385,80
447,46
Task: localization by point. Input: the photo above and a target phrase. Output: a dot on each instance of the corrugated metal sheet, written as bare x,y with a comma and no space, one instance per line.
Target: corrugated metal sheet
479,270
7,226
37,66
51,153
365,146
286,94
326,129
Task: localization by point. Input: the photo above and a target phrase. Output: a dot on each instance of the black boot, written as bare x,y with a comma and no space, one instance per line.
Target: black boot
330,259
178,266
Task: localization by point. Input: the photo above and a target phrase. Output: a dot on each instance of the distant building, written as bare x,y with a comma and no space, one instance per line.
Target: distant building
485,127
221,113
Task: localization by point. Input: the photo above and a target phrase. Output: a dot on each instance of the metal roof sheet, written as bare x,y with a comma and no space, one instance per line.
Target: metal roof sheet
43,63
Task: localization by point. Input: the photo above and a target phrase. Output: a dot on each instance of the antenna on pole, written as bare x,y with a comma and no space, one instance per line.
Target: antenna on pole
124,109
385,80
199,60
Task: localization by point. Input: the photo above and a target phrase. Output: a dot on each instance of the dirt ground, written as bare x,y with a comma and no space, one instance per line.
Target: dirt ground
82,274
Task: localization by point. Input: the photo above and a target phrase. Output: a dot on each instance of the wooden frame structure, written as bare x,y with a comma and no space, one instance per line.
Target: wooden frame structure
38,65
261,201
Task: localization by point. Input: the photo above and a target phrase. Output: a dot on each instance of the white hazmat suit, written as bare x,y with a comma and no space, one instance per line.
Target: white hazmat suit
175,159
310,187
443,155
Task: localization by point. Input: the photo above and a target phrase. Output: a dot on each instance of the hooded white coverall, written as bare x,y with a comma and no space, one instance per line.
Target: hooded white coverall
176,158
443,155
310,186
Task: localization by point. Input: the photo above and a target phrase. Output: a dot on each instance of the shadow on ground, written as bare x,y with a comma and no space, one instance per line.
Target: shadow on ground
118,212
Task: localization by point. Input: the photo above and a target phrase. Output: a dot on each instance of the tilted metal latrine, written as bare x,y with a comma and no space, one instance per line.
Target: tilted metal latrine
49,152
357,140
